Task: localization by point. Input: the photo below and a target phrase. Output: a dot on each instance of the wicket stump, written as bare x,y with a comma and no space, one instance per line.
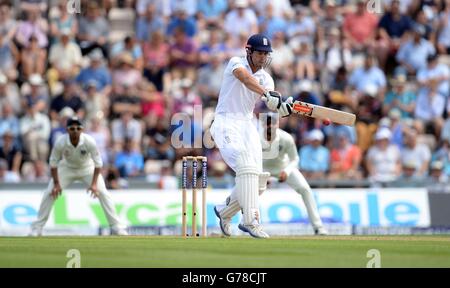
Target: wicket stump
184,186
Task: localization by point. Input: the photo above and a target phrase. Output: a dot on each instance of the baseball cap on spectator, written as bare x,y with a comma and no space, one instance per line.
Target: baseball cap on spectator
385,122
3,79
35,80
241,3
419,29
91,84
74,121
186,83
371,90
395,114
66,112
436,165
409,165
315,135
383,133
399,79
66,31
330,3
96,54
334,31
304,86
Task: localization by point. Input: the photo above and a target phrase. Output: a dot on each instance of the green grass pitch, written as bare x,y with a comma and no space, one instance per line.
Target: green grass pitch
162,251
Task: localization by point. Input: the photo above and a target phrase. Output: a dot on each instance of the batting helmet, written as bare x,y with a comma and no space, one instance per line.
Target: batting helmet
259,42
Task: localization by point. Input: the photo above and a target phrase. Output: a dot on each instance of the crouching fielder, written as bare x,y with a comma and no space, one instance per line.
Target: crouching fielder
284,166
75,158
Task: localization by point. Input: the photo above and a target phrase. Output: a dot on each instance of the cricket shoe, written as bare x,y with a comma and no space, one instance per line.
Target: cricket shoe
225,224
119,232
255,230
35,232
320,231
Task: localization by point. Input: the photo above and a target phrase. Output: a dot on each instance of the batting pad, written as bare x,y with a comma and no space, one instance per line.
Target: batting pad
232,206
263,178
247,192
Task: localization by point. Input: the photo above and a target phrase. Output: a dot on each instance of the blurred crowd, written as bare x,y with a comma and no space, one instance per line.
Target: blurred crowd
128,67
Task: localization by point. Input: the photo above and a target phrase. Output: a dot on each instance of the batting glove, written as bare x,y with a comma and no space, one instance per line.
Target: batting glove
272,99
285,108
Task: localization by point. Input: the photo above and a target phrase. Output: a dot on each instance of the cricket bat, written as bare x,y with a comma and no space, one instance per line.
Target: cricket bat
321,112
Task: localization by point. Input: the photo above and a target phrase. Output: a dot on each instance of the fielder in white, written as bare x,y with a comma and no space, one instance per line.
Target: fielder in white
75,157
284,167
244,83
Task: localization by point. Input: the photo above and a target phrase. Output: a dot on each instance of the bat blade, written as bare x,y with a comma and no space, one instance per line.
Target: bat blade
321,112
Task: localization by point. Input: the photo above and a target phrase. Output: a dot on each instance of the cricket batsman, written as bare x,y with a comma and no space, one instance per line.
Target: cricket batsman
75,157
244,83
284,166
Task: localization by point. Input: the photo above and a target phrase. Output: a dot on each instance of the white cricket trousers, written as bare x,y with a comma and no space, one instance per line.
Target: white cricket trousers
66,177
297,181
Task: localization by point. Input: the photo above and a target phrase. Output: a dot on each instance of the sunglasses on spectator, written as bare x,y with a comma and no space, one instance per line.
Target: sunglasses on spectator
75,128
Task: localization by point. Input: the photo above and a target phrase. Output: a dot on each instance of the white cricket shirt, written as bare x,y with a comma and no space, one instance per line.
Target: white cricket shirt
287,157
235,99
83,156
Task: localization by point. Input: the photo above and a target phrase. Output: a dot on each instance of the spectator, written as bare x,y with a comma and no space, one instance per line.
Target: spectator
9,94
35,132
130,163
69,98
36,99
162,7
339,95
98,129
210,79
370,75
211,13
126,128
96,71
94,103
443,37
392,28
189,6
240,19
183,56
159,142
8,24
269,24
149,23
281,8
9,56
7,176
152,101
412,55
305,62
9,123
397,126
345,159
443,155
11,152
125,99
33,59
210,50
156,60
35,172
184,99
125,74
65,59
60,127
301,29
417,153
332,20
445,136
62,23
409,175
400,98
93,31
182,20
127,47
360,27
314,158
430,108
383,160
436,71
33,26
437,175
